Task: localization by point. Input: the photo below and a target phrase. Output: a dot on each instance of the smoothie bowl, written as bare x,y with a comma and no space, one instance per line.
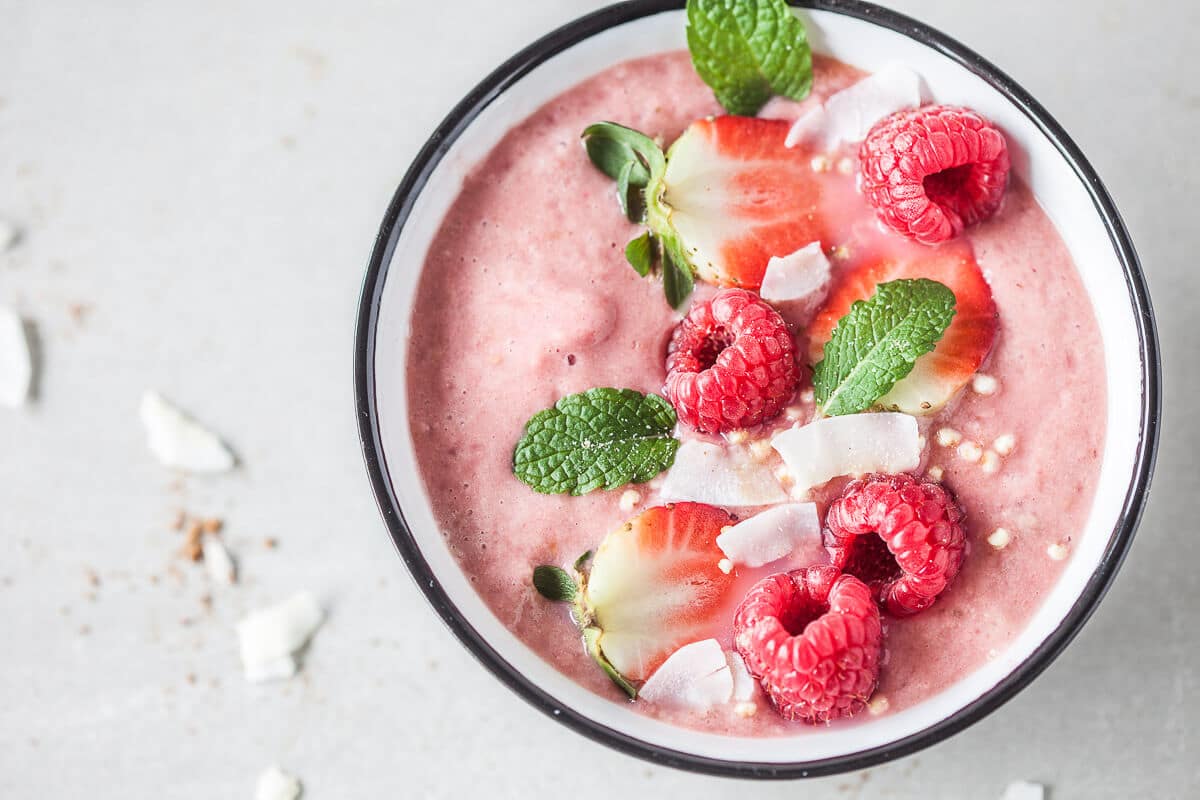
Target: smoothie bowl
794,419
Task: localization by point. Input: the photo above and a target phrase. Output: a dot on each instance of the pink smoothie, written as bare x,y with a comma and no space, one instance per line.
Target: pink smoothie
526,297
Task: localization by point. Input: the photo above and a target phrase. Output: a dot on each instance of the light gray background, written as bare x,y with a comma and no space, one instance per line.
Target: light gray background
207,178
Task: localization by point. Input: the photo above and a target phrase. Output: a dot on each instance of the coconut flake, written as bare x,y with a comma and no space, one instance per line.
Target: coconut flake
849,115
276,669
771,535
179,441
710,473
16,360
275,784
801,276
269,638
849,445
810,126
744,685
1024,790
220,563
696,677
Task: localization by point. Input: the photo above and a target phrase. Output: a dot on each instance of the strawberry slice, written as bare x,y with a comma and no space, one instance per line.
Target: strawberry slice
655,586
937,375
732,196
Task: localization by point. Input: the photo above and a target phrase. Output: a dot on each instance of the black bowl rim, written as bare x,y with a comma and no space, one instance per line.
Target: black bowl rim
401,205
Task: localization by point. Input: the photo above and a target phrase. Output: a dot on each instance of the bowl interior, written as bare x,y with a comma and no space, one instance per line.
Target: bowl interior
1057,186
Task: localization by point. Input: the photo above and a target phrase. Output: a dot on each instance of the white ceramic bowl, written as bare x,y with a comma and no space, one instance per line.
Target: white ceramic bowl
867,37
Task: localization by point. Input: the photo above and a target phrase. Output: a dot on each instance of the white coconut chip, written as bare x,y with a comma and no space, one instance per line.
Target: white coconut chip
179,441
802,276
275,784
849,445
711,473
220,564
810,126
849,115
744,685
270,637
695,677
277,669
1024,790
771,535
16,361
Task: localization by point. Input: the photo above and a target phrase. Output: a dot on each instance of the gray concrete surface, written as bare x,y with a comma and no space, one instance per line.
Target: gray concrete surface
200,184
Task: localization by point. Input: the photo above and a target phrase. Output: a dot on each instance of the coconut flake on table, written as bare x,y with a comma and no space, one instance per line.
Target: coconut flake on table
16,360
695,677
853,444
269,638
705,472
275,784
1024,790
849,115
771,535
180,441
802,276
220,564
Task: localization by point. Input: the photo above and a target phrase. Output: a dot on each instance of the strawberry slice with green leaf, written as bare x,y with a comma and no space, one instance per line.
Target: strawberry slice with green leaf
732,196
937,375
652,587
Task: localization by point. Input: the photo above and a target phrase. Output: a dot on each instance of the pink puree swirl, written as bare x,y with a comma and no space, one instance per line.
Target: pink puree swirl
525,297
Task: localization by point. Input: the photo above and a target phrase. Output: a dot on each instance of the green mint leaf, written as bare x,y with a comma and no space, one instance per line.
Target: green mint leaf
640,254
598,439
678,280
611,147
582,561
554,583
878,341
748,51
591,640
635,162
629,158
629,195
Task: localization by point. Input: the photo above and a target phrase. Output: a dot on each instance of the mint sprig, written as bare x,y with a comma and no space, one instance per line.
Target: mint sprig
598,439
748,51
554,583
635,161
678,280
878,341
641,254
627,156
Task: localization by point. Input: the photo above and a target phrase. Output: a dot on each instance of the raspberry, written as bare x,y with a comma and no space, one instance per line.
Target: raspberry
931,171
812,638
900,536
731,363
